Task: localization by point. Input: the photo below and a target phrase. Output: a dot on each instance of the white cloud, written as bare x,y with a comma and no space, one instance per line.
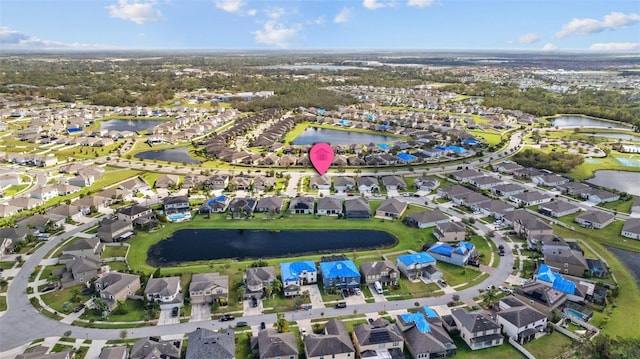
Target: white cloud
420,3
613,21
276,34
615,46
549,47
318,21
230,5
528,38
275,14
343,16
138,11
17,40
373,4
252,12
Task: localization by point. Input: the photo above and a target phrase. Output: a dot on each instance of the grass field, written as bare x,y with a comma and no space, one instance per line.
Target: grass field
504,351
549,346
135,309
114,251
56,299
609,235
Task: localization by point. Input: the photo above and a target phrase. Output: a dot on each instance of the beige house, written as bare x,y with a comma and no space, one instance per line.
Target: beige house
116,286
450,231
209,288
113,230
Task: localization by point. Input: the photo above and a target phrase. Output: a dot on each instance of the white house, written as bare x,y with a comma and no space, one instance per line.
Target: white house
522,323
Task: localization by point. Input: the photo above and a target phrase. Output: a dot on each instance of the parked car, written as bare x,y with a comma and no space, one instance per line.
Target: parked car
263,326
241,324
341,305
174,311
227,317
78,308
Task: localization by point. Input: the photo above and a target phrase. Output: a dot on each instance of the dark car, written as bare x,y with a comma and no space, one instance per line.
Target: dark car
174,311
78,308
241,324
263,326
341,305
47,289
227,317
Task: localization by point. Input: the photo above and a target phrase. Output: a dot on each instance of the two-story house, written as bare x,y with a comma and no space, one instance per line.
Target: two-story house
296,274
378,339
114,287
415,265
333,343
163,290
476,329
257,278
339,273
384,272
209,288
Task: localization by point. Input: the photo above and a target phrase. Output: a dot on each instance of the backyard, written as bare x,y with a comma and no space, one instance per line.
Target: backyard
549,346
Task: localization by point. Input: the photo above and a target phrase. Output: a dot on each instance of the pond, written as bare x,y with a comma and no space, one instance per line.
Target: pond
579,121
129,125
179,155
621,136
620,180
629,259
187,245
335,137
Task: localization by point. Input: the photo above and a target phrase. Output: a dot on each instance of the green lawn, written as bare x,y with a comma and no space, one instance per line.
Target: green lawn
408,238
484,251
410,290
7,265
135,312
609,235
56,299
3,303
12,190
549,346
620,206
455,275
504,351
118,266
114,251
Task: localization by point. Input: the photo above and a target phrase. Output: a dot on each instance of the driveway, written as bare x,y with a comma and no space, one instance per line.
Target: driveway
247,309
376,297
166,318
200,312
314,295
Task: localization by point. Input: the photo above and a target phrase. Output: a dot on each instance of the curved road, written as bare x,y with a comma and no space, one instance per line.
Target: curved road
22,323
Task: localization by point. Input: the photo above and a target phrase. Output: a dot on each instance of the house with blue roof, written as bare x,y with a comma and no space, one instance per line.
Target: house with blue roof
418,265
425,335
296,274
456,254
551,278
340,274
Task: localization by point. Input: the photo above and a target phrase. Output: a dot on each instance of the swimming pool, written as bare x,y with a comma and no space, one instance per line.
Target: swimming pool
575,313
179,217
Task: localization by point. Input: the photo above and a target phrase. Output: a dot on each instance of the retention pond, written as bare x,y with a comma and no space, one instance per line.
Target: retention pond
189,245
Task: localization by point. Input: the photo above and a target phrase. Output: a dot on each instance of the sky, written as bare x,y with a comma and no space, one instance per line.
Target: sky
549,25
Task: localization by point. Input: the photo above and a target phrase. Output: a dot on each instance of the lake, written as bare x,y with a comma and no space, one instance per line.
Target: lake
619,180
179,155
621,136
128,125
187,245
629,259
315,67
335,137
579,121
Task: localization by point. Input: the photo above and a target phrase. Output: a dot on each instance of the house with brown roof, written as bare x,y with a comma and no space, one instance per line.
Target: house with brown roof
334,342
80,270
302,205
329,206
384,272
152,348
427,219
450,231
477,330
394,182
270,204
209,288
113,230
257,278
167,180
425,335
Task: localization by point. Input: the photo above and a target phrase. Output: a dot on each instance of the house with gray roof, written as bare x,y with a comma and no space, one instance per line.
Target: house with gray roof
476,329
507,167
368,184
67,211
167,180
454,191
115,286
425,335
393,182
302,205
426,219
163,290
573,188
208,288
450,231
117,352
83,247
541,297
257,278
507,189
329,206
384,272
531,198
635,206
113,230
334,343
558,208
343,184
465,176
595,219
40,352
322,183
133,212
391,208
495,208
150,348
486,182
549,180
527,224
631,228
80,270
426,183
269,344
378,339
357,208
599,195
522,323
205,343
270,204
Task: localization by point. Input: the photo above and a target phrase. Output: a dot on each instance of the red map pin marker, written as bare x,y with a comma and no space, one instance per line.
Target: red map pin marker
321,156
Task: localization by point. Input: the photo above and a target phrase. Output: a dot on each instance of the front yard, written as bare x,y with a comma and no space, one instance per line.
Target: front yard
58,298
133,311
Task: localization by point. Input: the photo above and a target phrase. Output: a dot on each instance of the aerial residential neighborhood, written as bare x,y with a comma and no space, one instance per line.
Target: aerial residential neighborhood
140,219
